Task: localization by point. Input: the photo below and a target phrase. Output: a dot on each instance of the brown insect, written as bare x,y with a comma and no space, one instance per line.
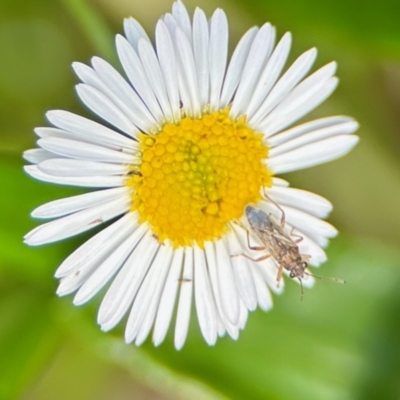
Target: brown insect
279,244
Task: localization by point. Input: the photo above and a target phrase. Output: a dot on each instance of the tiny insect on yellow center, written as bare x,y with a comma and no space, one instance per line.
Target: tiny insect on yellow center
197,176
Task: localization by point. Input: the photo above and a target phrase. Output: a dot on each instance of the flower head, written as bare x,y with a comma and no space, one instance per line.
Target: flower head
189,140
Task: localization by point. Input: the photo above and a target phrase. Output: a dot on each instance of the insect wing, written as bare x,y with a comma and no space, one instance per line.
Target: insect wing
258,219
270,232
262,226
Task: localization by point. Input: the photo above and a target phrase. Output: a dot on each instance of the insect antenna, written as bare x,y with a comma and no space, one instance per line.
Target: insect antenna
301,289
276,205
324,278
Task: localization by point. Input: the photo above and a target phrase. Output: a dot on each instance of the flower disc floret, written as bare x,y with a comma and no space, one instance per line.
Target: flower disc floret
197,176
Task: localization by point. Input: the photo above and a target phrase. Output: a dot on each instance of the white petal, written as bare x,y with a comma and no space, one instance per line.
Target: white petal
283,142
36,156
308,87
315,228
290,110
136,74
139,114
185,301
105,108
268,268
226,283
46,132
109,267
154,74
220,327
111,92
200,50
147,291
218,55
167,301
236,66
300,199
182,18
233,330
311,226
167,59
170,23
258,55
68,167
313,154
89,131
309,247
206,311
85,151
279,182
185,99
134,31
123,289
97,247
97,276
242,274
153,294
54,132
270,74
59,208
326,127
79,222
219,295
286,83
80,274
307,282
86,181
263,294
188,68
243,315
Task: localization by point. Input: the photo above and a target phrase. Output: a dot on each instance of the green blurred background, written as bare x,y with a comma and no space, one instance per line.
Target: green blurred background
340,342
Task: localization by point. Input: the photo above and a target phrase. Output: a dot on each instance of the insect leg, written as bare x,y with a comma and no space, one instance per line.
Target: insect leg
279,275
262,258
283,217
257,248
240,224
301,289
299,238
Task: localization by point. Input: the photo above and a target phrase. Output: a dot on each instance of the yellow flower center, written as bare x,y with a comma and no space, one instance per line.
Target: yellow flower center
197,176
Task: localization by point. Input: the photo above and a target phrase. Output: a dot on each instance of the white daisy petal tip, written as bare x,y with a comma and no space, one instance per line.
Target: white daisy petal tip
188,117
354,126
76,66
354,139
287,37
312,53
330,68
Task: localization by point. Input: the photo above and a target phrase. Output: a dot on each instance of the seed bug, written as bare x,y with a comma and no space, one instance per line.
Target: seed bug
279,244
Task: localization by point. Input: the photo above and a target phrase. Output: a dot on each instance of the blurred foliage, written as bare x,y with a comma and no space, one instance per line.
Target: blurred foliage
340,342
370,27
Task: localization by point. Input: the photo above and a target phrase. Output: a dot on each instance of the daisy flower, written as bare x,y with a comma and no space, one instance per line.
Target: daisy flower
188,139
